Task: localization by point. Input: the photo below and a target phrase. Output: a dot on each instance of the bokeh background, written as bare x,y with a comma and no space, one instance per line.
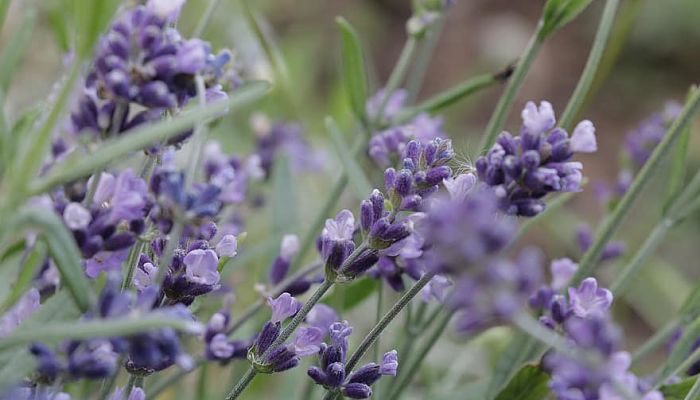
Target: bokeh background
653,58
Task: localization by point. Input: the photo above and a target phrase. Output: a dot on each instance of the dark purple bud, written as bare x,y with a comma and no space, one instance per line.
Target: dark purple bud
512,167
389,178
481,167
436,175
507,142
430,152
318,376
339,251
531,159
412,151
561,151
117,81
411,202
278,270
404,181
367,374
361,263
409,164
298,287
156,94
366,215
282,359
267,336
542,298
357,391
336,374
612,251
119,241
559,308
584,237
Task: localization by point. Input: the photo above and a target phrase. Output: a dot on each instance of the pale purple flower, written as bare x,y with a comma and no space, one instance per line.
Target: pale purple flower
341,227
192,56
221,347
289,246
425,128
76,216
307,341
583,139
436,289
283,307
136,394
589,299
201,267
128,198
143,277
321,316
458,186
394,104
390,363
105,189
562,270
537,120
227,246
339,332
105,261
23,309
168,9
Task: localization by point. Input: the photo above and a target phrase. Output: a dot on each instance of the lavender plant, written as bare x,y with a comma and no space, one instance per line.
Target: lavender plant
131,241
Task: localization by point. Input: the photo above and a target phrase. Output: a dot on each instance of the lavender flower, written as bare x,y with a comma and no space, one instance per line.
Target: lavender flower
217,344
331,372
322,316
526,168
227,246
136,394
589,299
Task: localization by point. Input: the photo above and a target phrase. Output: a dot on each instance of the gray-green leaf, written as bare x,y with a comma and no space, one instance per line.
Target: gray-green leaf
354,74
530,383
358,179
558,13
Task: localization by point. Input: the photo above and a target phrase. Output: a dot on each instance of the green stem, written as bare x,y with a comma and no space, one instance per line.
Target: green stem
505,103
589,71
659,338
131,263
694,393
129,386
397,76
690,360
637,261
383,323
202,382
206,18
407,373
415,78
378,317
242,384
610,225
199,136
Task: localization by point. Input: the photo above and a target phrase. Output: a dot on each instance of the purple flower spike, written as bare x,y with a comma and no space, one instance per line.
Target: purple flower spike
322,317
390,363
537,120
562,271
201,267
227,246
589,299
307,341
583,139
283,307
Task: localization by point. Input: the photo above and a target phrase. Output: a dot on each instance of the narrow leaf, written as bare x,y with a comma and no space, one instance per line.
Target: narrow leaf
27,272
520,350
678,166
15,48
353,69
79,166
530,383
359,181
681,351
677,391
62,249
558,13
56,332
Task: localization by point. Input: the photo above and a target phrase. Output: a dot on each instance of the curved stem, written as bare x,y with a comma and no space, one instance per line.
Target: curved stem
592,64
242,384
206,18
610,225
407,373
505,103
397,76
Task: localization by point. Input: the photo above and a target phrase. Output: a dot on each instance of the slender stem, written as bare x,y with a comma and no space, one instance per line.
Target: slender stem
397,76
131,262
505,103
378,317
308,390
694,393
592,64
108,384
199,136
659,338
610,225
415,78
242,384
129,386
637,261
690,360
206,18
202,382
407,373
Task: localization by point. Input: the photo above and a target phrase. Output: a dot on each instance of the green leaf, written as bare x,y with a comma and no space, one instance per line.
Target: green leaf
15,48
91,19
678,166
681,351
79,166
347,297
27,272
677,391
558,13
285,210
530,383
358,179
58,331
450,96
62,249
18,363
521,349
353,69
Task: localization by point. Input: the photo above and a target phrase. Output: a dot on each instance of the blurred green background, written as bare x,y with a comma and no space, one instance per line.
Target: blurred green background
657,61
